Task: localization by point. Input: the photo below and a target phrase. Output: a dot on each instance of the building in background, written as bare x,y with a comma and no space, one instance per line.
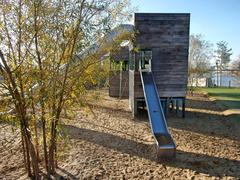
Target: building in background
225,78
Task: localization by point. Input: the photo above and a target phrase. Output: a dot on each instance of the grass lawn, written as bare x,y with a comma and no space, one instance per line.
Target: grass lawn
228,97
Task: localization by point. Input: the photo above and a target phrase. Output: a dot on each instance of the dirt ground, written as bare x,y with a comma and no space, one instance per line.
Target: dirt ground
109,144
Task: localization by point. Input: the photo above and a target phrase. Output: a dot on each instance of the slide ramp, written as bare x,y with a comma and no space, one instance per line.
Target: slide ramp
165,145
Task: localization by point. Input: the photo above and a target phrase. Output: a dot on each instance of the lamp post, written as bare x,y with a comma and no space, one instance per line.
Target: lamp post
217,63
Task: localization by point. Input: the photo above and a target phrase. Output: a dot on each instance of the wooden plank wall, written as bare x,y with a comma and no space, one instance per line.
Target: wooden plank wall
114,81
168,37
114,85
121,54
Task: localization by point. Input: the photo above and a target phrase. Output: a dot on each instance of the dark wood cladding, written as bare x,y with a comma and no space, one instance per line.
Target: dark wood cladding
114,80
167,35
120,55
138,89
114,85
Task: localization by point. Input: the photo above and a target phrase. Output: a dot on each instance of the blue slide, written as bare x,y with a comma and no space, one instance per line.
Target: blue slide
165,145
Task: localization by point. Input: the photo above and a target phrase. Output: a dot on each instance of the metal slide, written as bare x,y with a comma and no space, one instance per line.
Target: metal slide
166,147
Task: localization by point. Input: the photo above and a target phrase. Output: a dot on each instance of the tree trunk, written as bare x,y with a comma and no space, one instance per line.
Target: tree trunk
23,150
34,160
45,144
56,162
30,147
36,139
52,148
25,153
35,127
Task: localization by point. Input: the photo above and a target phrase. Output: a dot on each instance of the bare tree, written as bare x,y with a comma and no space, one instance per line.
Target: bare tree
200,53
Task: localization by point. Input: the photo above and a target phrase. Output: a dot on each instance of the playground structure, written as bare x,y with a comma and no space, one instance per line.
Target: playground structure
154,70
157,71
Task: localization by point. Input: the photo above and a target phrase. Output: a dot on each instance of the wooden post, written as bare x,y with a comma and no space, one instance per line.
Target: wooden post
164,106
177,106
120,81
172,105
135,108
183,107
167,106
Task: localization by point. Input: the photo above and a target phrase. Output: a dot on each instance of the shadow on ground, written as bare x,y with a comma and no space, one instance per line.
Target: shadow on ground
215,105
67,175
117,112
202,122
198,162
206,118
207,124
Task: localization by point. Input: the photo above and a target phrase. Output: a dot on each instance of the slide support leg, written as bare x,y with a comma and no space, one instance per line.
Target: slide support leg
183,108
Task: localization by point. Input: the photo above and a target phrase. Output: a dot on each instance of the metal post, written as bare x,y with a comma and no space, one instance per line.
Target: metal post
217,73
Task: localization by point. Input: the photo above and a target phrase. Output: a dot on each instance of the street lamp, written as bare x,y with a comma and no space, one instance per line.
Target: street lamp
217,64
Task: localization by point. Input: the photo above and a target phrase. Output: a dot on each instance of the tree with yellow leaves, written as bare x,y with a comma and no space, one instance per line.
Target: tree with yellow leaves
47,65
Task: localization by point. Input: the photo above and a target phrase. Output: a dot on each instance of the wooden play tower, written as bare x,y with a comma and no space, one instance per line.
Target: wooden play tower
160,46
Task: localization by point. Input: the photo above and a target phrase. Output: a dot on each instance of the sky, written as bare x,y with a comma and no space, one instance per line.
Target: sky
216,20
